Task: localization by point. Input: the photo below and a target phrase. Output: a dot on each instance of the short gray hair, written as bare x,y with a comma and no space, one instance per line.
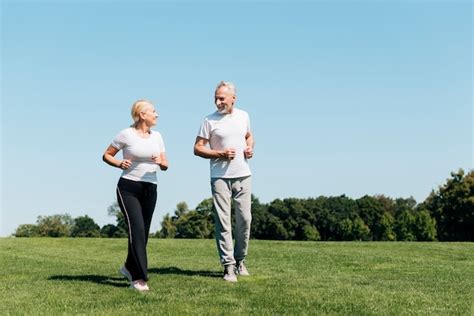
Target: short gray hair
229,85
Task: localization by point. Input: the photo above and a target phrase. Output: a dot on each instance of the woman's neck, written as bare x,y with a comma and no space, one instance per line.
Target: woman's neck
142,129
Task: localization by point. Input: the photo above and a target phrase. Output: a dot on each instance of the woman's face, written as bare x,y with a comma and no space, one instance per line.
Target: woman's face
149,115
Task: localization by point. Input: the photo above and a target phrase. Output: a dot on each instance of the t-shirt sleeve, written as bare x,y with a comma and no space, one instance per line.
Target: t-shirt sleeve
119,140
161,144
205,130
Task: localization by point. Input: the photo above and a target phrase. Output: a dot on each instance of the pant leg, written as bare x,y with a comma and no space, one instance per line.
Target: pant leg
128,196
241,189
148,206
222,195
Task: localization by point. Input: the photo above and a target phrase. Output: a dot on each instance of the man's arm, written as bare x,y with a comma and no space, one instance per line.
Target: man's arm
250,143
202,150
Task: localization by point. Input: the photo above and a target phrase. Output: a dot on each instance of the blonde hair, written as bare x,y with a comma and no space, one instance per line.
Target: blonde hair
229,85
137,108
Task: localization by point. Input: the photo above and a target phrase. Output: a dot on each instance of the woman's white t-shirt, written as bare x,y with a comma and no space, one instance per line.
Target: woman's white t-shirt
139,150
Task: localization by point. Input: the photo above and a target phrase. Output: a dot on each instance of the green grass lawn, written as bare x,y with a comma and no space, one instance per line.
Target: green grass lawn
64,276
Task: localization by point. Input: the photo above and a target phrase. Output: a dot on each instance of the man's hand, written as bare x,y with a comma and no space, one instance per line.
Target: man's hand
229,153
248,152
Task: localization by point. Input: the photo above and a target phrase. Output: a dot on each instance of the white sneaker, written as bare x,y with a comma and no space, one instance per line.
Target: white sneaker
124,271
242,269
139,285
229,273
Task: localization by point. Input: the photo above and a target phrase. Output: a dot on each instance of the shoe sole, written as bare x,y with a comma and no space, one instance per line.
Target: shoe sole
138,290
230,280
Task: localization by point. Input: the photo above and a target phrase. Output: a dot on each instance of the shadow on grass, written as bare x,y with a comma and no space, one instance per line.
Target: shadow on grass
99,279
175,270
121,282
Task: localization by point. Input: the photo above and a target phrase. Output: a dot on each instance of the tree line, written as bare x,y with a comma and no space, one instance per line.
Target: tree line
63,225
447,214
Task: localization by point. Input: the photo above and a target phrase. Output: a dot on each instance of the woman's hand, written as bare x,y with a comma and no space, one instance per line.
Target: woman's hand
156,159
125,164
160,160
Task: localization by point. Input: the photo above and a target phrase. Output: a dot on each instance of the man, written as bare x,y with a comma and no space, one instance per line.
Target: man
225,138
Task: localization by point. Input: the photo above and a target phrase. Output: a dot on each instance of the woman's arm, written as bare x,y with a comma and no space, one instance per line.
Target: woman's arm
109,158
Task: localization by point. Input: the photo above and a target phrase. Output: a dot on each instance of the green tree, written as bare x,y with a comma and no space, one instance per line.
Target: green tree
402,204
387,203
452,206
206,207
371,211
54,225
27,230
193,225
207,210
294,220
338,209
404,223
260,217
386,227
360,231
112,231
168,227
181,209
424,226
310,233
353,229
275,229
187,223
114,210
84,226
323,219
345,229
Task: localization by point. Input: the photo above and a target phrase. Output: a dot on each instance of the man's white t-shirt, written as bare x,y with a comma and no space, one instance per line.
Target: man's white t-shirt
227,131
139,150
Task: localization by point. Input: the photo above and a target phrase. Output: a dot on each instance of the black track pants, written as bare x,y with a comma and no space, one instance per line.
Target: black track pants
137,201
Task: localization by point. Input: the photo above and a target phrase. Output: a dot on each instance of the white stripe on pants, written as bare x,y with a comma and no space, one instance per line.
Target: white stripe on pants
223,192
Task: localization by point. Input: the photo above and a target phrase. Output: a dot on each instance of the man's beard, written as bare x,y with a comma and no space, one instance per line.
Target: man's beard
224,110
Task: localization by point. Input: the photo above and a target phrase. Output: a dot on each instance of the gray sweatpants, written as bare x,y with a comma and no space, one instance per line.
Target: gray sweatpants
223,192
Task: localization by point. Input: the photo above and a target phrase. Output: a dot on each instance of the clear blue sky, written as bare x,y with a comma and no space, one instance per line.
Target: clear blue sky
345,97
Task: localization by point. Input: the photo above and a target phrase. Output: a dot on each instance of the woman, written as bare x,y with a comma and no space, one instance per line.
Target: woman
143,152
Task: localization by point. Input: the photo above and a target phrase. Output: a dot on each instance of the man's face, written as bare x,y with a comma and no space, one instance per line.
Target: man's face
224,100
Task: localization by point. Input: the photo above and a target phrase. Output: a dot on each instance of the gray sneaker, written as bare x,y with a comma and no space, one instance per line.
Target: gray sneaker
242,269
124,271
229,273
